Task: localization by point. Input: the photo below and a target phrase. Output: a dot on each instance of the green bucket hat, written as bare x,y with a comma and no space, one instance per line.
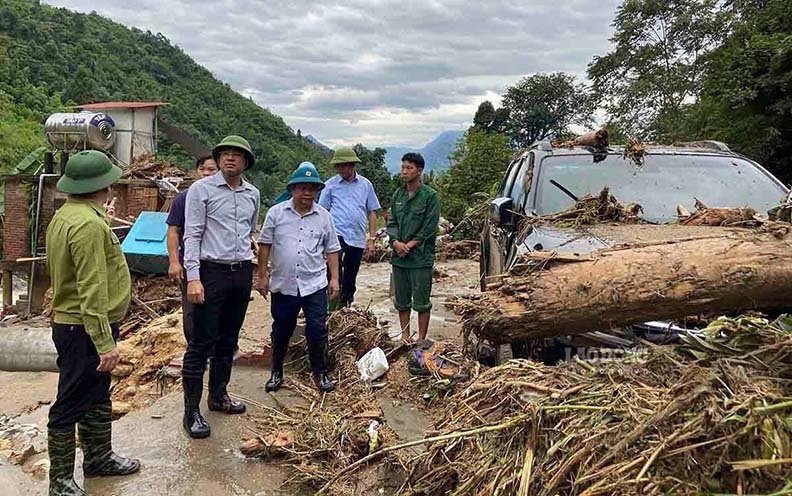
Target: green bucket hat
344,155
306,173
87,172
238,142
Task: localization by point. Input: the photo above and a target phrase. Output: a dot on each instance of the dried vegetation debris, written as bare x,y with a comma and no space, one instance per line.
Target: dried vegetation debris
324,433
589,210
150,167
654,424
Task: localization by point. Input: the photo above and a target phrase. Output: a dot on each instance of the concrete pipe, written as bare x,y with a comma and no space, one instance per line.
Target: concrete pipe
27,350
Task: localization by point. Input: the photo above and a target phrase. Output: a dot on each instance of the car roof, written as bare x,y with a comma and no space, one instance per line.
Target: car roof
699,148
619,150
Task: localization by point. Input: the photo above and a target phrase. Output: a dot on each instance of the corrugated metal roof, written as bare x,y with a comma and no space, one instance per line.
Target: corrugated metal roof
116,105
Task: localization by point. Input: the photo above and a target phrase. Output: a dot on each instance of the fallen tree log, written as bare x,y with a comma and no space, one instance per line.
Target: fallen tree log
735,269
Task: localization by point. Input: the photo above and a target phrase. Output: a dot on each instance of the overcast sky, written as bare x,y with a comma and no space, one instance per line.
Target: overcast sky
379,72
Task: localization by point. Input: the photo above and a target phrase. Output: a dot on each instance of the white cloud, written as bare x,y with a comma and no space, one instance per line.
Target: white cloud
375,71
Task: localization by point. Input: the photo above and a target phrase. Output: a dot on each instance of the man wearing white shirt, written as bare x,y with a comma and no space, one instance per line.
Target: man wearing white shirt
300,241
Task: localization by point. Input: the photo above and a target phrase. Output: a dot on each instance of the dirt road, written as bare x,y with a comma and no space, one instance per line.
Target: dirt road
175,465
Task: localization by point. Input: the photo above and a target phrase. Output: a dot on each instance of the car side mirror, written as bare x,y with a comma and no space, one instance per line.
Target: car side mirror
500,211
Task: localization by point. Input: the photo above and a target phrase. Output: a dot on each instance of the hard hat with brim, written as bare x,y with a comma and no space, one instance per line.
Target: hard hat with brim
87,172
235,142
344,155
306,173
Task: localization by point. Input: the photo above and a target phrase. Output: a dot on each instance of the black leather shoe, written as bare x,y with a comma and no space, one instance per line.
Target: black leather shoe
323,381
196,426
111,465
275,381
226,405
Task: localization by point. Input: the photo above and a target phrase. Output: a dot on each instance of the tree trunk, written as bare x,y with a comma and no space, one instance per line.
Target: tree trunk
742,269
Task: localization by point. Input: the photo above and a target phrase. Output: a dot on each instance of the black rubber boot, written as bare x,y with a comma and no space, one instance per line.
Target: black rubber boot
196,426
317,353
62,446
279,349
96,434
219,377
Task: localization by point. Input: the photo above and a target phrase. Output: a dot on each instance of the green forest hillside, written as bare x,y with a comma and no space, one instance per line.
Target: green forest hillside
52,57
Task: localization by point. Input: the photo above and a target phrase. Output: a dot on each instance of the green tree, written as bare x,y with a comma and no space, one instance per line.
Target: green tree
479,162
51,57
489,120
656,64
746,100
544,106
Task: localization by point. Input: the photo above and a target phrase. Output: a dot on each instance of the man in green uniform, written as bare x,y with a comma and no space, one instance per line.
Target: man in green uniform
91,292
412,228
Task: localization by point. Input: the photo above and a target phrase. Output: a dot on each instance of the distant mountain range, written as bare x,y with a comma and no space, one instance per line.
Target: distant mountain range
326,150
435,153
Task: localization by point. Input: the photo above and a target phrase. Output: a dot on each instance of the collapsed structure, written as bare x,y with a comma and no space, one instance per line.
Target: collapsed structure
127,131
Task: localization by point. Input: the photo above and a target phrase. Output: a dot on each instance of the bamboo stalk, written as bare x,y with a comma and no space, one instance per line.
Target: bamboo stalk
446,437
754,464
766,410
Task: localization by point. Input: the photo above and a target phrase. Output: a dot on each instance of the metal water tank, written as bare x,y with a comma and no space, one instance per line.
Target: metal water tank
80,131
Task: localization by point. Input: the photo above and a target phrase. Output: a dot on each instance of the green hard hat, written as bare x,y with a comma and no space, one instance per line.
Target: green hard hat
306,173
238,142
344,155
87,172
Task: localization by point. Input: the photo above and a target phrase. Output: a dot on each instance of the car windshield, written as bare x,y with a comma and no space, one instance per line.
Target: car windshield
662,183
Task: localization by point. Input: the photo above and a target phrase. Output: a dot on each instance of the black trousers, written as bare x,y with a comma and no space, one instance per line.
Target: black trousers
348,267
187,312
217,321
80,386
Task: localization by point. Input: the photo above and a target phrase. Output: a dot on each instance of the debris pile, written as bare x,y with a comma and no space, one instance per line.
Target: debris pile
660,423
781,213
19,442
726,217
594,209
352,331
150,167
448,249
152,297
143,373
598,140
636,152
430,373
327,432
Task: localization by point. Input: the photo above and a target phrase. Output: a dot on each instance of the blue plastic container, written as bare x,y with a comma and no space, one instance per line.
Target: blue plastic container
145,247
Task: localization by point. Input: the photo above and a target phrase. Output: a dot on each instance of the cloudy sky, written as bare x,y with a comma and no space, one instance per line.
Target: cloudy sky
380,72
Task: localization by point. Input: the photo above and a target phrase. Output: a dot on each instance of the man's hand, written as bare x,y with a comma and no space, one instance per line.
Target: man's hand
195,292
402,250
110,207
412,244
369,248
175,271
262,285
333,289
108,361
